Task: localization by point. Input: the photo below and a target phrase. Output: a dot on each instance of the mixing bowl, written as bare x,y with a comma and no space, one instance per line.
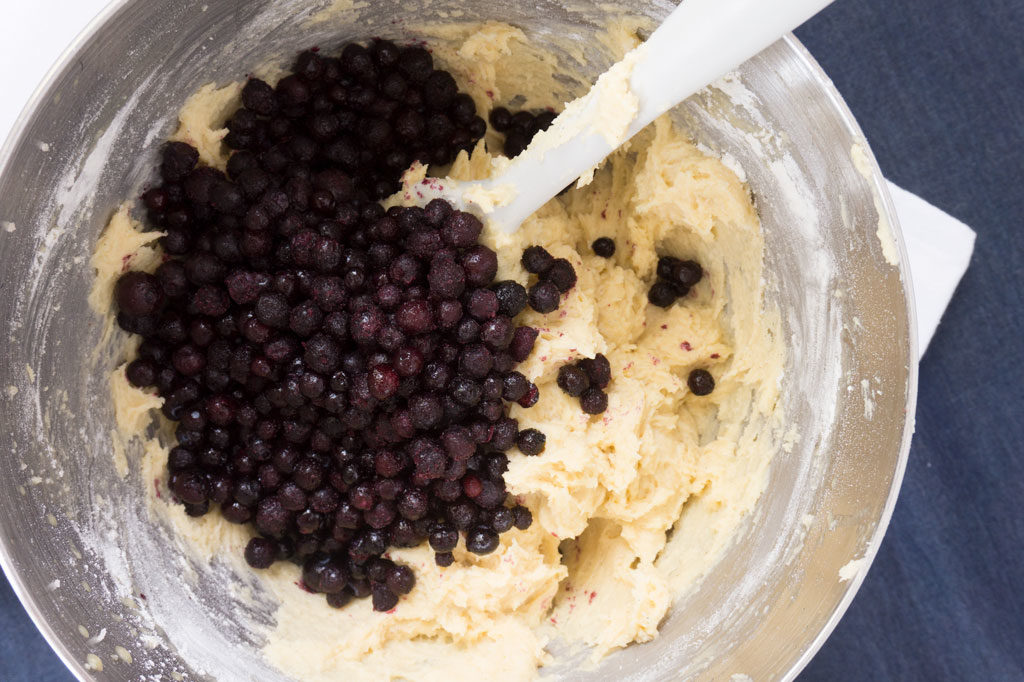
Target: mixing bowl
104,583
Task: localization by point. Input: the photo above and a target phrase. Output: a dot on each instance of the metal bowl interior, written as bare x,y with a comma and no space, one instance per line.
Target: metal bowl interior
72,531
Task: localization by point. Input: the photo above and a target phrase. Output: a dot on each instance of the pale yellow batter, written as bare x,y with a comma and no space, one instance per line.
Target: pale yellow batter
594,569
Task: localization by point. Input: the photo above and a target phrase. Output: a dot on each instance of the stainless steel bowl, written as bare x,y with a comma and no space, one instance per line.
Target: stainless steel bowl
73,534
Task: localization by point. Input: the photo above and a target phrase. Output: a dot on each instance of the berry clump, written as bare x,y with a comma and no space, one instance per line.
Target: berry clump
519,128
555,276
338,373
368,112
675,278
586,379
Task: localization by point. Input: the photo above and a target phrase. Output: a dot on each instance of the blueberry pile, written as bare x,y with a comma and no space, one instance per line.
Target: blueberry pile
338,373
586,379
519,128
369,112
675,278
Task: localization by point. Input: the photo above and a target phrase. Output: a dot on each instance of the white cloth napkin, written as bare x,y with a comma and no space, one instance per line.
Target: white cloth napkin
33,35
939,247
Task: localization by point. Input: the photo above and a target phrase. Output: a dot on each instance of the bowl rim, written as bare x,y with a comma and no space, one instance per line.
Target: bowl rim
878,187
881,190
17,132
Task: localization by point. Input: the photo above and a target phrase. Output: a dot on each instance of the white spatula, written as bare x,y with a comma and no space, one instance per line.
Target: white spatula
698,42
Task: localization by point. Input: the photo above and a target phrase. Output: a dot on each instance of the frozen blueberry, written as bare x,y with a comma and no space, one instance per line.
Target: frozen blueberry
523,339
544,297
594,401
446,277
482,304
400,579
573,379
523,517
443,537
461,230
515,386
480,264
531,396
603,247
512,297
700,382
687,273
662,294
482,540
536,259
272,310
531,441
260,552
141,373
178,159
667,266
138,293
500,118
561,274
502,520
598,370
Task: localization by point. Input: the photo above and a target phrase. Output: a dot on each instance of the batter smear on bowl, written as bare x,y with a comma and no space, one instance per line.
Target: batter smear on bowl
491,436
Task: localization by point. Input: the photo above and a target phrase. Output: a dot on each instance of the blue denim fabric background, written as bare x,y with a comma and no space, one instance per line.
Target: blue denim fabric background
938,86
